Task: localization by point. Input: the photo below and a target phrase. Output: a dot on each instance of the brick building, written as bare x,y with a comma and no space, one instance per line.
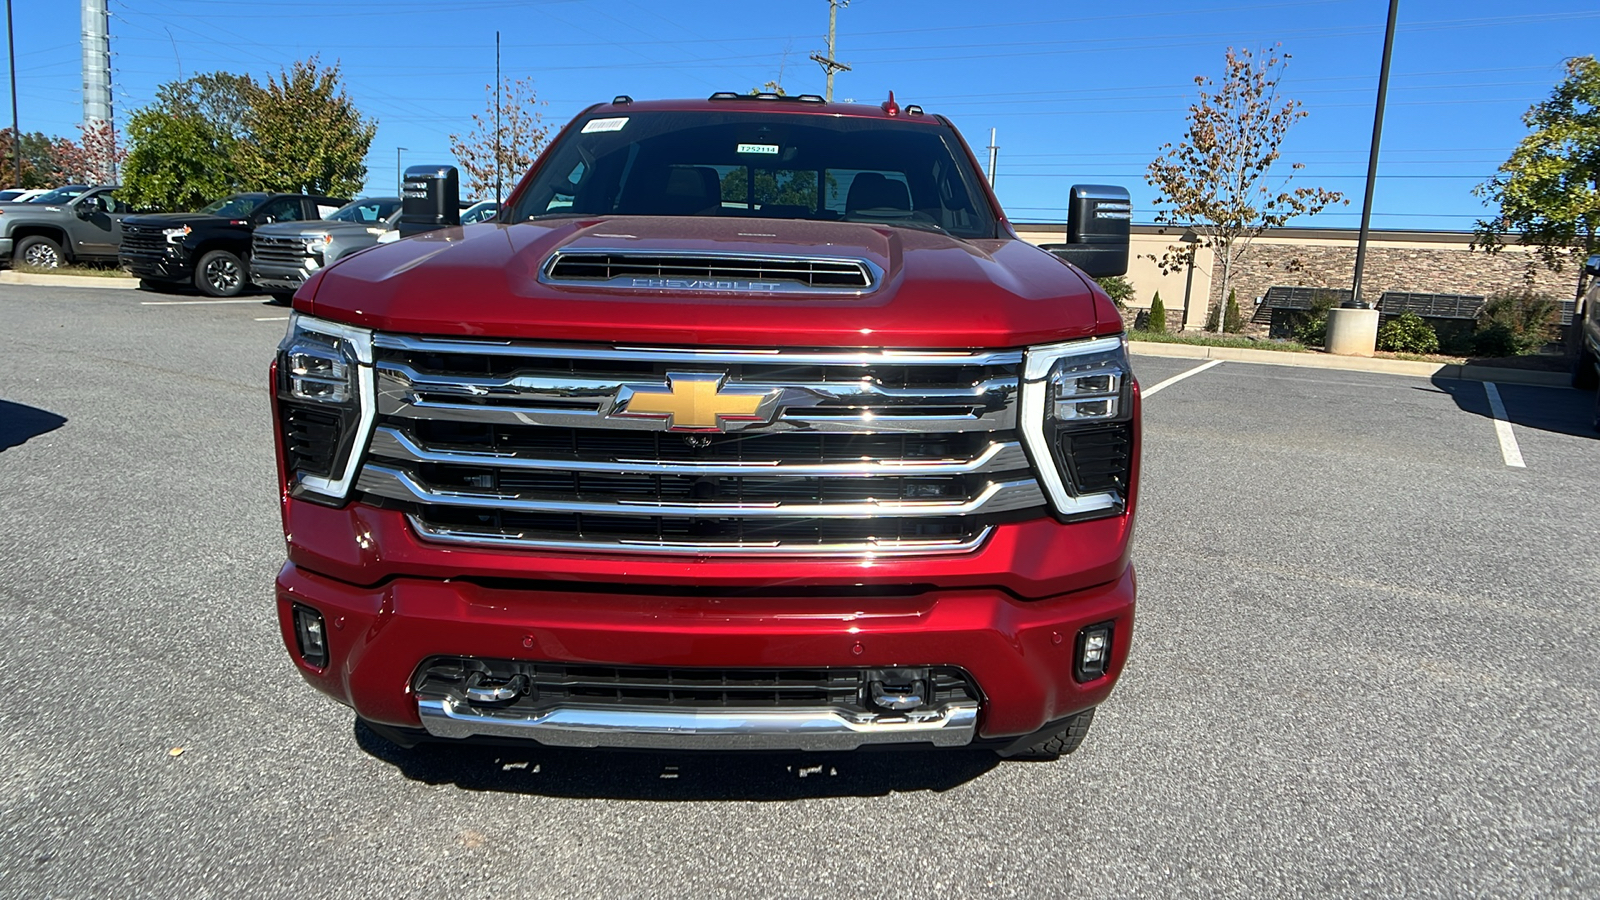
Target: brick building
1439,262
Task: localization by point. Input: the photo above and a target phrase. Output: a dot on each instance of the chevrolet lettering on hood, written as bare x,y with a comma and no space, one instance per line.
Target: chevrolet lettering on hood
701,284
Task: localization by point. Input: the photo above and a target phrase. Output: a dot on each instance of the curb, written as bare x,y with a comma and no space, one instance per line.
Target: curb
79,281
1467,372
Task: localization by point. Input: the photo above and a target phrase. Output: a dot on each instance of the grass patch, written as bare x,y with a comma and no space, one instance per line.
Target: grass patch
1216,340
86,271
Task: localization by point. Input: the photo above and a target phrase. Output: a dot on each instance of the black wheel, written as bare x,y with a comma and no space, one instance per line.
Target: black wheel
219,274
1597,410
1056,744
39,253
1583,373
281,298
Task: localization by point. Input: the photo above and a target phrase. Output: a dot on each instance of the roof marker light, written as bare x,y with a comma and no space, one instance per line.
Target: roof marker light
891,107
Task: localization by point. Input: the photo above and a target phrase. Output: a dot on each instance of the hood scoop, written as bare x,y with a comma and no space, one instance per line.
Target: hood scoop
712,271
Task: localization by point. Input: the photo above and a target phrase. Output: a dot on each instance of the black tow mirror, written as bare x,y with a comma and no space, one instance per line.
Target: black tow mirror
86,209
431,199
1098,220
1593,265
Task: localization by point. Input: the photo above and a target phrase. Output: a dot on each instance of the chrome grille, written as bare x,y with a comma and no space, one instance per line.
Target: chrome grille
287,252
711,272
142,240
519,445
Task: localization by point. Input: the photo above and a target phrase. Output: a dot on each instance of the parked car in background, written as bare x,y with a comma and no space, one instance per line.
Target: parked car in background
20,195
481,211
209,248
284,255
1586,369
76,223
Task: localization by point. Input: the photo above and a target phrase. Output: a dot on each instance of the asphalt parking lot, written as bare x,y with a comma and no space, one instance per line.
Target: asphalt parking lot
1364,666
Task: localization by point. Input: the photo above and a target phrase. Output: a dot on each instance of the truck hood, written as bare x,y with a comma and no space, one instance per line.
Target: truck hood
935,292
174,220
305,229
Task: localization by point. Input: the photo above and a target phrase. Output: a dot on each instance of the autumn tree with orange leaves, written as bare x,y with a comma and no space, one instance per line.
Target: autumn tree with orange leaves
1219,179
522,135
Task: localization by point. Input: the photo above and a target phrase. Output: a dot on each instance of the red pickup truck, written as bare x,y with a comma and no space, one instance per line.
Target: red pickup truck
749,424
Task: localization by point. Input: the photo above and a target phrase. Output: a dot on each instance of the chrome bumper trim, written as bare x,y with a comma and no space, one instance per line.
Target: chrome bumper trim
655,728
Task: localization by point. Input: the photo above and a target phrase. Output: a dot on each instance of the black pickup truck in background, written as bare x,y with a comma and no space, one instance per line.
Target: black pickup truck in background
211,247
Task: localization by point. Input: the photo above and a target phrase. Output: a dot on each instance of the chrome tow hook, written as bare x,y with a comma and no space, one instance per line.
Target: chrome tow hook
480,690
898,690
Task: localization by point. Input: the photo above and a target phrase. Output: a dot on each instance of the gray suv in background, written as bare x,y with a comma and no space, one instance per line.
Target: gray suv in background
76,223
284,255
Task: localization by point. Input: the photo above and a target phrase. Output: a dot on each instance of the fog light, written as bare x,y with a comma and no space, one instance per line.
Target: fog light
311,636
1094,651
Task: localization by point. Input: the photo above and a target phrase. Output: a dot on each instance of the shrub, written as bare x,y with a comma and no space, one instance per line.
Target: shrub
1407,333
1311,326
1158,316
1211,317
1117,288
1515,323
1232,319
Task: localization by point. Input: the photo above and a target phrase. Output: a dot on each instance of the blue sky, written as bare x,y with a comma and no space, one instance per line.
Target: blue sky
1078,92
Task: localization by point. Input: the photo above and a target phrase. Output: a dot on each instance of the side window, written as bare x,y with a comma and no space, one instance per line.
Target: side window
283,209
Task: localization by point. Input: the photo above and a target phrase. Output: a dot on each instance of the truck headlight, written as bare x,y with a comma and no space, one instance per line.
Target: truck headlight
325,404
316,245
1077,421
176,234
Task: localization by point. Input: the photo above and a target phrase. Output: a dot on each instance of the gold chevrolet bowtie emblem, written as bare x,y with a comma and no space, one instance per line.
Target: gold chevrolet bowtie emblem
694,401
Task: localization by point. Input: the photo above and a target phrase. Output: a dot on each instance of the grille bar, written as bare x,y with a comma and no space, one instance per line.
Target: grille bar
874,547
393,443
399,484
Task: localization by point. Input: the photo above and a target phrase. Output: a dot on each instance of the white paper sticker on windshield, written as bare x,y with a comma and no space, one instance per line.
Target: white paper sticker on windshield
771,149
605,124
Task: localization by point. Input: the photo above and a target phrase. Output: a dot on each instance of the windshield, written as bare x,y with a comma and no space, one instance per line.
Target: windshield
365,212
774,166
236,207
62,195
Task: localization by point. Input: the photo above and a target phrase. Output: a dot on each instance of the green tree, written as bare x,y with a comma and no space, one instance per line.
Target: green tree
1118,288
1548,191
305,134
40,166
176,161
1232,319
184,146
1219,178
1158,315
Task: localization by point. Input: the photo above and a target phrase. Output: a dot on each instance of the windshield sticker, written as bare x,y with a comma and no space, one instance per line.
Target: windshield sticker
605,124
768,149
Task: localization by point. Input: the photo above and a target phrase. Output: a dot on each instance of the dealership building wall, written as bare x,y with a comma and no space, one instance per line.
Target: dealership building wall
1435,262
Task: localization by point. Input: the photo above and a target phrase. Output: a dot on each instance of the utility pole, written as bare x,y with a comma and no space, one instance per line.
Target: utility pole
994,152
399,179
16,131
1372,159
497,117
828,63
97,73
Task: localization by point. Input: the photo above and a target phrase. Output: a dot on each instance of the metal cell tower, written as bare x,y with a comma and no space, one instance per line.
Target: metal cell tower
97,67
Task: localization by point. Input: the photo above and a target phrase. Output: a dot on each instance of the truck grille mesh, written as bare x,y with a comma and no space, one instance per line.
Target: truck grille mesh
142,240
521,445
289,252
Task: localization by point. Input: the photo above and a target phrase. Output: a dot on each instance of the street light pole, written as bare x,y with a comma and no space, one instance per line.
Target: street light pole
1372,159
16,131
399,177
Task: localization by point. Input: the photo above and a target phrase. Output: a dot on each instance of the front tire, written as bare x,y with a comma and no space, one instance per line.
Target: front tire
1583,371
219,274
38,252
1056,744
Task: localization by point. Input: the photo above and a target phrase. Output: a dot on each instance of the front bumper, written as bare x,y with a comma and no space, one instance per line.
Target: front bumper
278,278
171,267
1019,653
5,248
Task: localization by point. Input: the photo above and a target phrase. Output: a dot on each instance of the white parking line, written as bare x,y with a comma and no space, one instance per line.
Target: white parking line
1180,376
1502,428
272,318
256,300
